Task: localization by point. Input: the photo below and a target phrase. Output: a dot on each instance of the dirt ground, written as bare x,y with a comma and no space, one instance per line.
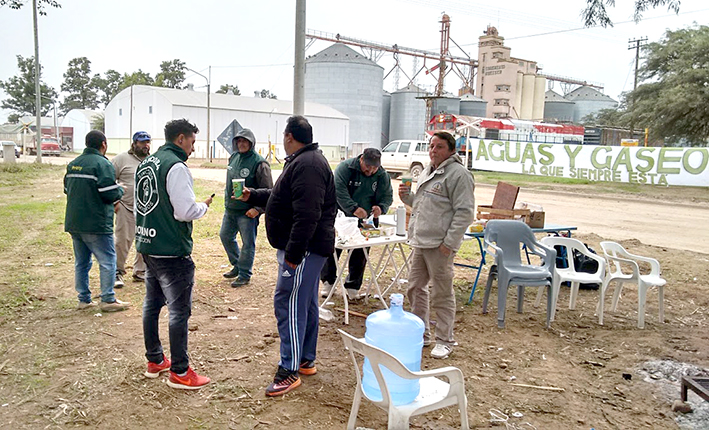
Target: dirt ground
63,368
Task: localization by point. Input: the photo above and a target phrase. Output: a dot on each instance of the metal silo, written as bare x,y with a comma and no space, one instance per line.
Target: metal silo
557,108
447,104
408,114
473,106
347,81
386,115
589,100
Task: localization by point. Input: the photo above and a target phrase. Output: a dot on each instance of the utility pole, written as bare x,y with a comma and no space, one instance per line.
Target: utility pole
37,86
209,109
299,69
635,44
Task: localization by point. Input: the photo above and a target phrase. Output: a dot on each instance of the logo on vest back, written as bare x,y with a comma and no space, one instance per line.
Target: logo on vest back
244,173
374,186
146,191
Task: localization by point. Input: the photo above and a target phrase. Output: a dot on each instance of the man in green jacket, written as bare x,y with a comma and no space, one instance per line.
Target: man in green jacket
241,217
165,207
363,187
91,190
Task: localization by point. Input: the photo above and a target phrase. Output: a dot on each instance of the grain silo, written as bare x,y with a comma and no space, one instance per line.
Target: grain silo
446,104
527,96
588,101
472,105
538,103
408,113
386,116
557,108
347,81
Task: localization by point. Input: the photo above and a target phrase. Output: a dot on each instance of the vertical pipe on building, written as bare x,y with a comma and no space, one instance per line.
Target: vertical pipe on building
299,72
518,96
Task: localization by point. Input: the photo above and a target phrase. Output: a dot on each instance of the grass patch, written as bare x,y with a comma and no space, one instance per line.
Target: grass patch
22,173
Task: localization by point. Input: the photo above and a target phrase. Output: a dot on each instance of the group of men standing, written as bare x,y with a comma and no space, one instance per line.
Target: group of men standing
299,210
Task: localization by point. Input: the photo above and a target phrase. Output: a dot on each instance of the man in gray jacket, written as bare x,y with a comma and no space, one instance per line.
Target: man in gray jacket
442,209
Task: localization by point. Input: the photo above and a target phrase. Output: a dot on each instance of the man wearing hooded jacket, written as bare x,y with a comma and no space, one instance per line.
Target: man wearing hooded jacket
241,217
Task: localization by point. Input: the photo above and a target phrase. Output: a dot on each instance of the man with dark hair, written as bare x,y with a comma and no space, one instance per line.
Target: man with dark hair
442,210
125,165
91,190
363,188
300,224
240,217
165,208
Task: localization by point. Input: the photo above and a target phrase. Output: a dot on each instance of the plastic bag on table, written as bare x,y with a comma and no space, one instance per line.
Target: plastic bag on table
347,229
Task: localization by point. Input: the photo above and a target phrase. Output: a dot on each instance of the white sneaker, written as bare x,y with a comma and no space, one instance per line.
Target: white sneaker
353,294
119,281
441,351
325,289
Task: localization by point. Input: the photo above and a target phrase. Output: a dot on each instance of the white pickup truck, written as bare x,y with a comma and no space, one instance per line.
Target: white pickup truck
405,155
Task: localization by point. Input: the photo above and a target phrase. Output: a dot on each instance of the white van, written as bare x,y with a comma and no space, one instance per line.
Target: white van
405,155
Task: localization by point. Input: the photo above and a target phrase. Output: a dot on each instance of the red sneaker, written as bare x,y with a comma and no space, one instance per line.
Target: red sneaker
190,381
154,370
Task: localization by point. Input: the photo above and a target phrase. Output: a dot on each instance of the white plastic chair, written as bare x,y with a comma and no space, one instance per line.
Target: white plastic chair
618,258
570,274
435,393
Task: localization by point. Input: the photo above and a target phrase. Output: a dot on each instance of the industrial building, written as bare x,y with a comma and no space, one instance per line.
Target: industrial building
349,82
511,86
149,108
588,100
81,121
557,108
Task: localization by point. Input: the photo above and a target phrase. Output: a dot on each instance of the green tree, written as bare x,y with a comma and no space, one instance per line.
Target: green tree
595,12
17,4
136,78
226,88
20,90
674,101
98,122
265,94
172,74
108,86
79,86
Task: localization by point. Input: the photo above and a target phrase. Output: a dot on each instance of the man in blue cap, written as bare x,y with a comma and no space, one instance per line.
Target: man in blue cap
125,164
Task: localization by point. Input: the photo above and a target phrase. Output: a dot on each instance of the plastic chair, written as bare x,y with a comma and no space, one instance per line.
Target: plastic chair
618,258
506,237
435,393
570,274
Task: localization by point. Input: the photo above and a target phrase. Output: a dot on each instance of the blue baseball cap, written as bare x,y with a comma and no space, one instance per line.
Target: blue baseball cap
141,136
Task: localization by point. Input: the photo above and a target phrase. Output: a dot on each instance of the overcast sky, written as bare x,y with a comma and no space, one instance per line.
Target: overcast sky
250,43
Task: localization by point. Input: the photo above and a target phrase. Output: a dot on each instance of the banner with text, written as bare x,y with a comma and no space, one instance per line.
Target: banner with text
658,166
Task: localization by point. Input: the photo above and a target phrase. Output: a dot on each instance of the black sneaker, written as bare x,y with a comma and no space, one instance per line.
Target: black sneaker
307,367
238,282
233,273
283,382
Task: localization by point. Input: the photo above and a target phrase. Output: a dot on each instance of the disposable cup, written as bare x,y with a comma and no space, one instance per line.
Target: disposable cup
238,187
406,181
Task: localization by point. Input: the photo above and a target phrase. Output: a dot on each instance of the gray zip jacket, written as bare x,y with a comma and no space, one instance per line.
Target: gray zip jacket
443,205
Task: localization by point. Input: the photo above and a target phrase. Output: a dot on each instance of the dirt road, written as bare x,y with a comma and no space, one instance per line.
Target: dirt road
658,223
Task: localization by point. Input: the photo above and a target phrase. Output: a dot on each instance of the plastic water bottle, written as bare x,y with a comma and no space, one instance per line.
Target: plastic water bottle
400,218
400,334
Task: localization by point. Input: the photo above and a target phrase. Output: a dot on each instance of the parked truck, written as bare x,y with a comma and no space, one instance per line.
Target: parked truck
50,146
401,156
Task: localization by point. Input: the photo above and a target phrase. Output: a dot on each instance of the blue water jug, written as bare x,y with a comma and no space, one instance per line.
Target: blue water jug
400,334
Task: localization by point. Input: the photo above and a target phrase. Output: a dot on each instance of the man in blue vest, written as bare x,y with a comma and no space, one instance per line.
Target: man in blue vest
241,217
91,190
300,224
165,208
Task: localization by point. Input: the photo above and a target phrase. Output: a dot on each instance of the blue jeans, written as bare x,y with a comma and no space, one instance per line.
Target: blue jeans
242,259
100,245
168,281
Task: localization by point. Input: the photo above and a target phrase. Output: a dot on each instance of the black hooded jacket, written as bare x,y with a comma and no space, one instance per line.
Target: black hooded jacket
301,207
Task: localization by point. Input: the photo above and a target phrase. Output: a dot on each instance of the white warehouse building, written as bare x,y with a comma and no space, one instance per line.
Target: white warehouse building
153,107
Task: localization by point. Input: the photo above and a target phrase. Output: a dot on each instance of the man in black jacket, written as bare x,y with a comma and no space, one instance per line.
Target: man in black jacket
300,224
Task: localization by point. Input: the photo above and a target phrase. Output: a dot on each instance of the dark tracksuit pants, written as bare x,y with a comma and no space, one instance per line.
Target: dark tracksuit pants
295,304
